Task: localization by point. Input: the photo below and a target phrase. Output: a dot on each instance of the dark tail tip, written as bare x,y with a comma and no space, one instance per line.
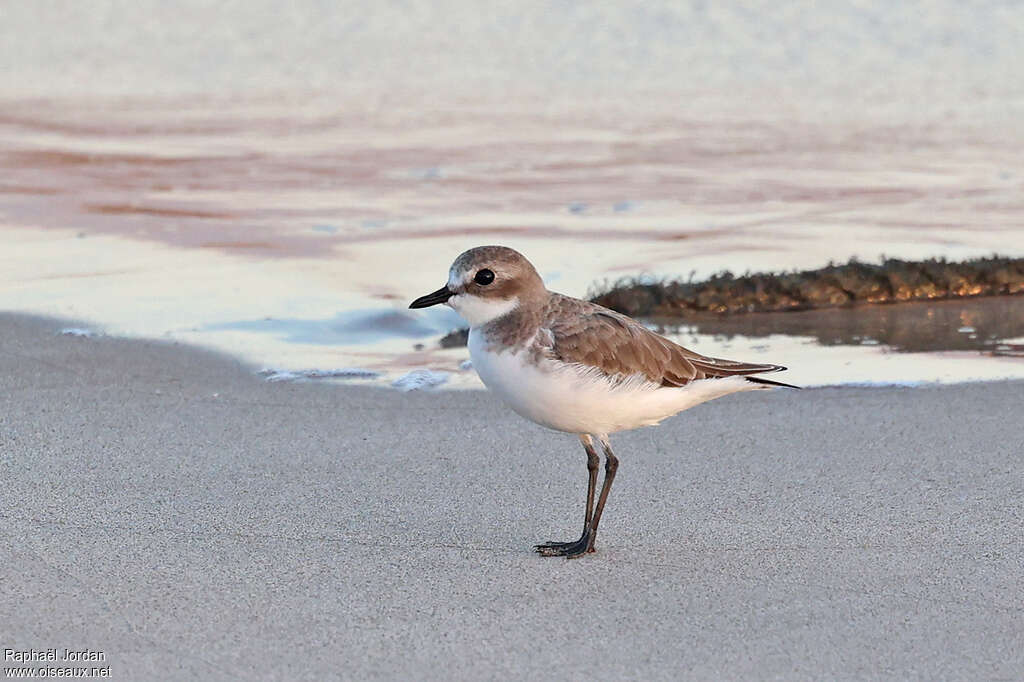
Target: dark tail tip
769,382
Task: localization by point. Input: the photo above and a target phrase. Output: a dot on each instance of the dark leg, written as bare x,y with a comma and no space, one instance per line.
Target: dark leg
611,465
578,546
592,461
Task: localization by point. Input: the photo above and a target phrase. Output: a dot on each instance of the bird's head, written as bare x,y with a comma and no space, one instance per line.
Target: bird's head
486,283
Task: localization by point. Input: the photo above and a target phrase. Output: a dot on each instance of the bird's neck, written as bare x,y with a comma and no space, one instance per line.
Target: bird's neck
514,329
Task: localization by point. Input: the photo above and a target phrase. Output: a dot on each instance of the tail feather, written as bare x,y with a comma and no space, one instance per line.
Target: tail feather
716,367
769,382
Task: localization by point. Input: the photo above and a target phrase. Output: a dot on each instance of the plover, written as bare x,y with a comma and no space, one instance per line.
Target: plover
575,366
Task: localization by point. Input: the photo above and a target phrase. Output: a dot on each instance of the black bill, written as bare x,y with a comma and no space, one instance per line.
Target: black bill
439,296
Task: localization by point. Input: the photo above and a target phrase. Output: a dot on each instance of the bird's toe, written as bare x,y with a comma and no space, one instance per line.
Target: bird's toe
567,549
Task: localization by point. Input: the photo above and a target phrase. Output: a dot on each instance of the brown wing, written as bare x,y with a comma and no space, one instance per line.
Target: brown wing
618,346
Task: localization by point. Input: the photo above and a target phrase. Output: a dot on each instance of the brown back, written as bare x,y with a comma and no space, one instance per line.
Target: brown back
618,346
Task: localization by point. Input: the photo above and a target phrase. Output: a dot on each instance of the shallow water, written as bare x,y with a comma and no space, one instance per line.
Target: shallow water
294,232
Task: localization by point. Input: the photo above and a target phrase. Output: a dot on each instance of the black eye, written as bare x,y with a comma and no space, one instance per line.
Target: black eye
484,277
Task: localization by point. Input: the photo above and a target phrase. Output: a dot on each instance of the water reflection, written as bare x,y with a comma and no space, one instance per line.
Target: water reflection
981,324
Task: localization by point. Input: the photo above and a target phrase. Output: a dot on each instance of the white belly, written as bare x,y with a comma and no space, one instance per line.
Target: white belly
565,398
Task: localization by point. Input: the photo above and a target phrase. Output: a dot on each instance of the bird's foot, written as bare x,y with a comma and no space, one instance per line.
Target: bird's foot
570,550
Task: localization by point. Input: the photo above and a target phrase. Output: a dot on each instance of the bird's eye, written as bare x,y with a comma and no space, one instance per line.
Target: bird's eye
484,277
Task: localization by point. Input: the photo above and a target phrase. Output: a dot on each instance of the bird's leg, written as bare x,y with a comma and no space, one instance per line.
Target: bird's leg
578,546
592,461
611,465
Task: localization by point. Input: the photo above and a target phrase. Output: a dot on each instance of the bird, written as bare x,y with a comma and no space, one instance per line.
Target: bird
577,367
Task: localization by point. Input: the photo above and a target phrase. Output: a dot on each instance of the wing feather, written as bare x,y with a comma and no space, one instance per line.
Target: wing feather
621,348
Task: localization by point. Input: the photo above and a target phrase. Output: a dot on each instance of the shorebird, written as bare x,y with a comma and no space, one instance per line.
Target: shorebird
575,366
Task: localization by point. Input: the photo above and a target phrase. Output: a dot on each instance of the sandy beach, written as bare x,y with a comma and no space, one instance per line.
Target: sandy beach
170,508
223,198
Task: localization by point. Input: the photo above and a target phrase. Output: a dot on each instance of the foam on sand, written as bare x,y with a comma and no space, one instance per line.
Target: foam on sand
420,379
271,374
80,332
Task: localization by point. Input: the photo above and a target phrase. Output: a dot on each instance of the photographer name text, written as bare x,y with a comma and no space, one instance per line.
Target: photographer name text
56,654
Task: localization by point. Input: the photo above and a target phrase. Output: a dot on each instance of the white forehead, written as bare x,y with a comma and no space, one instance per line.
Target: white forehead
456,278
463,273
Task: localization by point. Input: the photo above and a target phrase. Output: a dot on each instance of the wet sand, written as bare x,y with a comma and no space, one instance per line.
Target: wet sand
201,218
169,507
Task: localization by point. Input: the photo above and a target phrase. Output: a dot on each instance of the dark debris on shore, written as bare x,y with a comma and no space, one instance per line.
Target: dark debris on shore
833,286
456,338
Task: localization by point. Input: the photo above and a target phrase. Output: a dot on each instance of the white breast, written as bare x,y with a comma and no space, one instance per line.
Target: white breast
571,398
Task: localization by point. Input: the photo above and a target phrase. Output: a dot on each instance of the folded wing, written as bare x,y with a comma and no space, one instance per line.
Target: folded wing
620,347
